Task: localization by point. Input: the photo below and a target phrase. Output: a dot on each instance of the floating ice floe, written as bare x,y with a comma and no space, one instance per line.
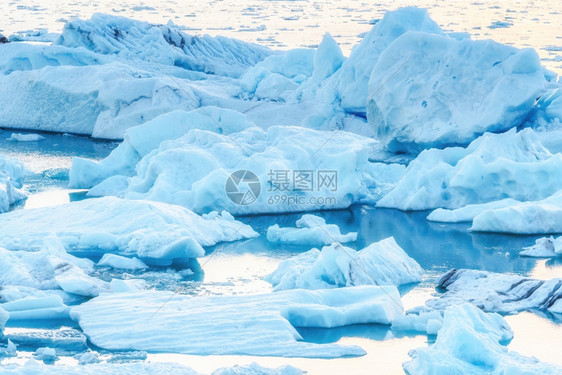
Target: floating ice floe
193,171
120,262
544,247
468,212
19,137
498,292
336,266
152,231
138,368
310,230
49,268
535,217
12,172
251,325
473,342
493,167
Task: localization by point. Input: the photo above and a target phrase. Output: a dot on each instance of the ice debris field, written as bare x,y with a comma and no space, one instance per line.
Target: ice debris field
191,203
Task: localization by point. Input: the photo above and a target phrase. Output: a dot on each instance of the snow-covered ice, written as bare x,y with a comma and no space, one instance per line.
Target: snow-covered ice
310,230
544,247
473,342
151,231
498,292
253,324
336,266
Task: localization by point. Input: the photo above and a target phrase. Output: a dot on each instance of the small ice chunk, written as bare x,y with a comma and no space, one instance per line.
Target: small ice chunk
30,137
336,266
124,286
310,230
87,358
45,354
120,262
544,247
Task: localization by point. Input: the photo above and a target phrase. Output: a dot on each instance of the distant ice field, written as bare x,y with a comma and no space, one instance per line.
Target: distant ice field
288,24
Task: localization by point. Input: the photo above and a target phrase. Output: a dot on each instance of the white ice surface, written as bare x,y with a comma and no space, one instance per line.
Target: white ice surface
252,325
336,266
310,230
151,231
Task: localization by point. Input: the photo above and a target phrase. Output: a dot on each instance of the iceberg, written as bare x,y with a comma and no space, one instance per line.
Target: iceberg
12,172
498,292
351,81
537,217
336,266
83,99
250,324
310,230
473,342
141,140
423,95
162,44
288,168
151,231
544,247
493,167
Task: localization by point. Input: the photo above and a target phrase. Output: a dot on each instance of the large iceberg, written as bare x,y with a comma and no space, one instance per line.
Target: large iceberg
163,44
336,266
423,94
493,167
251,324
351,80
12,172
310,230
498,292
152,231
473,342
281,169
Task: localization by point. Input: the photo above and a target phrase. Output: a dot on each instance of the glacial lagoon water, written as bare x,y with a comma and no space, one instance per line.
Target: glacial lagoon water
239,268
